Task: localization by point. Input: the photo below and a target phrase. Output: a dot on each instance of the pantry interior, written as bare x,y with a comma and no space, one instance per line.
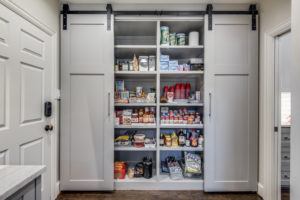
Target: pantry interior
173,107
159,104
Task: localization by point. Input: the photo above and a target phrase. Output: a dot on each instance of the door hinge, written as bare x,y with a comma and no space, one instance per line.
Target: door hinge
209,9
109,11
65,16
253,11
276,129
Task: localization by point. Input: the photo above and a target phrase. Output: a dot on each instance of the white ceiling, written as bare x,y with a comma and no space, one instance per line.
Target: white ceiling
162,1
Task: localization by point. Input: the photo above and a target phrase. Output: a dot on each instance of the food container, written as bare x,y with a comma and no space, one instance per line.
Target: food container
125,66
152,63
143,63
194,38
164,65
172,39
119,170
139,137
173,65
139,91
130,172
180,37
164,35
164,58
198,96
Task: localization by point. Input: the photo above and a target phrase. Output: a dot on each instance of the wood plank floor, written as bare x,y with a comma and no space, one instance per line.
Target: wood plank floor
156,195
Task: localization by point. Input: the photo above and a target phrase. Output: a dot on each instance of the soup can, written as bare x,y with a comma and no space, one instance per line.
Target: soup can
164,38
180,39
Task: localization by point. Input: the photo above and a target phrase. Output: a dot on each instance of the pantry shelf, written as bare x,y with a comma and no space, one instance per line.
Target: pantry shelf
138,73
166,178
139,126
180,148
135,46
195,126
183,104
134,104
165,73
136,180
118,148
182,47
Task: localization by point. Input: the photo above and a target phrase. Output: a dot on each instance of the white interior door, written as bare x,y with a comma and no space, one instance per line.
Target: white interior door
25,84
231,99
87,104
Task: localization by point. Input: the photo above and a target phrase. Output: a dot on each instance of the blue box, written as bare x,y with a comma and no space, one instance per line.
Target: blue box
173,65
164,58
164,66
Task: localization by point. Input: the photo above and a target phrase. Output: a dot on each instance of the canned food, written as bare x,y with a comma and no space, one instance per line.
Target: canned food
180,37
164,35
172,39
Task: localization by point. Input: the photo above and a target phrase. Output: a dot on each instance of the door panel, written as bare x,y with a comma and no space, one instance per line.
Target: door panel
31,93
31,153
87,88
231,96
231,127
87,108
25,84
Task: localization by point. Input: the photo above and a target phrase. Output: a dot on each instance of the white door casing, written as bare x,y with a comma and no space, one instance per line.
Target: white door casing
26,82
87,104
231,99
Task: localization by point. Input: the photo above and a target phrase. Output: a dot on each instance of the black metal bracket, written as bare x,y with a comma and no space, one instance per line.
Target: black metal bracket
253,11
109,13
209,10
65,11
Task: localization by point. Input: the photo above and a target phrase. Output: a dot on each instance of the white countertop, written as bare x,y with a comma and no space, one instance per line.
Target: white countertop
15,177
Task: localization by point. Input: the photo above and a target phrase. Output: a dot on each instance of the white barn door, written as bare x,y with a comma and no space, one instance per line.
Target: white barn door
25,84
231,99
87,103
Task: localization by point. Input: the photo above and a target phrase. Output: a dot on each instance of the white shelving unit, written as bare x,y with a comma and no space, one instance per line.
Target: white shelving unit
146,41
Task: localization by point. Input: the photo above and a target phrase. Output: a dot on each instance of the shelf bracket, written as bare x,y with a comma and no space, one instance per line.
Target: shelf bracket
109,13
253,11
209,10
65,16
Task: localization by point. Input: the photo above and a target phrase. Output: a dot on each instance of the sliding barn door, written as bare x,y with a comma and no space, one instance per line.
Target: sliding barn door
231,99
86,107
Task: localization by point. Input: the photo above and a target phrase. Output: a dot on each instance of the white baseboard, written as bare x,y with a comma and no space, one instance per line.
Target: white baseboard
57,190
260,190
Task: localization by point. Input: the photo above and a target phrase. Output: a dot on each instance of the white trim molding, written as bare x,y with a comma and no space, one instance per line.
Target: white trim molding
270,171
260,190
24,14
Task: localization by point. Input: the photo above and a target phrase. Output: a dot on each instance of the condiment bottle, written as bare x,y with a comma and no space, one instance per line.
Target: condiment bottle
187,90
177,91
181,138
182,91
161,140
187,139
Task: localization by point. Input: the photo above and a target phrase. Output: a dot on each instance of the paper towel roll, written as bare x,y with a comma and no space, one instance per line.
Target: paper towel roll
194,38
